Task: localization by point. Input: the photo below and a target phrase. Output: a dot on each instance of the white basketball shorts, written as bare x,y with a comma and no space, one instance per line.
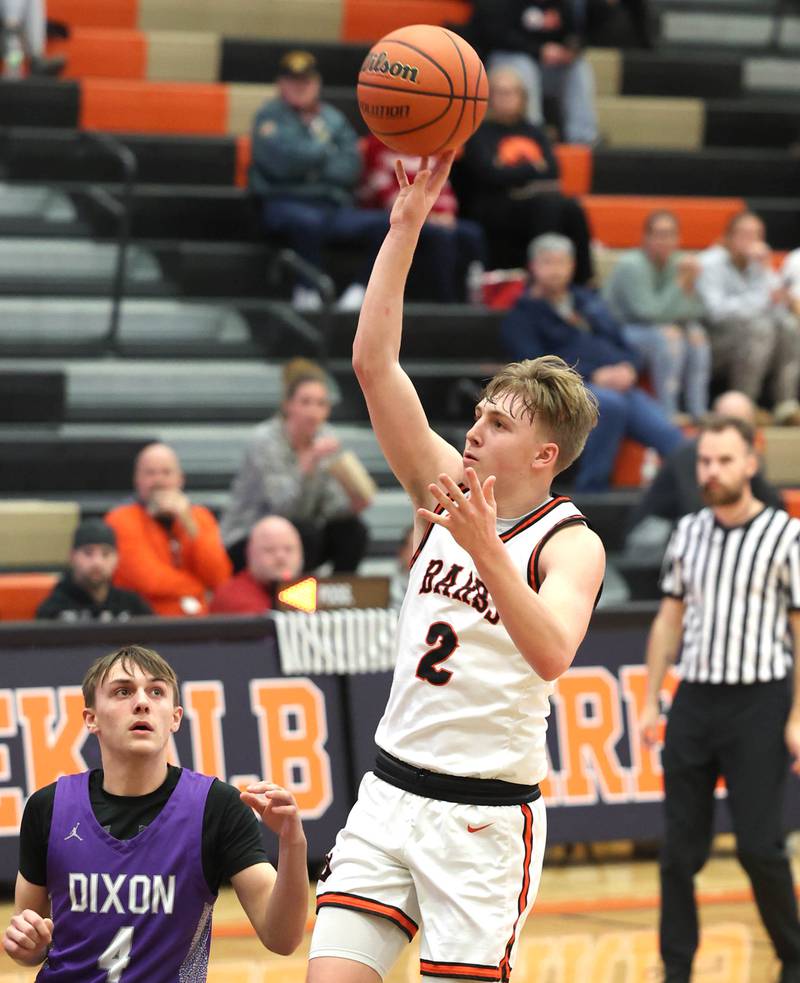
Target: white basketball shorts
464,876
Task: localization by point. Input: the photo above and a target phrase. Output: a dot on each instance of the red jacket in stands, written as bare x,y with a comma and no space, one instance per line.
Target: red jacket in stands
379,182
242,595
173,572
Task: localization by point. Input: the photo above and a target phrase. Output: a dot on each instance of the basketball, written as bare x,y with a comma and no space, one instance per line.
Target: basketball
422,90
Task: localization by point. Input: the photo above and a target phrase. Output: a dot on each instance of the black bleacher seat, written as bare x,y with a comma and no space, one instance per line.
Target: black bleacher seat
31,397
38,464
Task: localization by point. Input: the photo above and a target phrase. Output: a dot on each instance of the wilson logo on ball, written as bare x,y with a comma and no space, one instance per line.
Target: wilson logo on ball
383,112
378,63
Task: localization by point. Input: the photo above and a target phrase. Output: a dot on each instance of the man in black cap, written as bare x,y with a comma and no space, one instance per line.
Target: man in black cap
305,168
85,592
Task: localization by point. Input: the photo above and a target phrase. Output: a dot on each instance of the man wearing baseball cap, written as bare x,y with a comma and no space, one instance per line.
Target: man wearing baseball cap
85,591
306,164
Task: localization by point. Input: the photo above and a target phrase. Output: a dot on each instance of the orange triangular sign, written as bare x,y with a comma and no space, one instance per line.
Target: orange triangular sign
302,595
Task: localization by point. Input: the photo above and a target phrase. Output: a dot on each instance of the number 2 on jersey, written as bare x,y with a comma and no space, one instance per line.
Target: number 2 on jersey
117,955
442,633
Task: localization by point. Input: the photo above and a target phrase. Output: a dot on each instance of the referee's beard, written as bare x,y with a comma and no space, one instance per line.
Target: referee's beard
715,493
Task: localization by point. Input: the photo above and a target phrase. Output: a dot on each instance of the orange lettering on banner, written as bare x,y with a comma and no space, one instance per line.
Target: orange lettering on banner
10,798
293,728
204,705
51,749
646,770
242,781
586,742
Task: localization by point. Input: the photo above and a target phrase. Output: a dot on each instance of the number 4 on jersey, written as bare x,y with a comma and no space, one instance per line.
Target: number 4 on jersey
117,955
442,633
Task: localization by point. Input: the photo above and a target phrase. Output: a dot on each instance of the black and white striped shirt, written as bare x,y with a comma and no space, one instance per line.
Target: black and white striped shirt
738,586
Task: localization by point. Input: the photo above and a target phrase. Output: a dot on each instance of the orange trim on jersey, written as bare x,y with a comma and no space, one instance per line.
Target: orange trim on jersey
534,581
463,971
522,901
529,520
355,902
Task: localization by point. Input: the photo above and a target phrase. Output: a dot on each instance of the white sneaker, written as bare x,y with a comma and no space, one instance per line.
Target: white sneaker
352,298
306,299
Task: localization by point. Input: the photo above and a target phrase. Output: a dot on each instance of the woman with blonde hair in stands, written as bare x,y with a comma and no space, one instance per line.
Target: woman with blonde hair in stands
294,466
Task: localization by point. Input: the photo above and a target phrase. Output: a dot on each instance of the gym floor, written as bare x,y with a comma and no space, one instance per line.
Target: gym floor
594,922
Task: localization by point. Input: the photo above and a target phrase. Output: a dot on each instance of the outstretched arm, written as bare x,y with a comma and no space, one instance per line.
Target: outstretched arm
416,454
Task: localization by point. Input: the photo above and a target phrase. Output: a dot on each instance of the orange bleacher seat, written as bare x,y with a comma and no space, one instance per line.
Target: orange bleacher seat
575,163
244,150
22,593
154,107
627,471
95,13
617,220
369,20
98,53
791,501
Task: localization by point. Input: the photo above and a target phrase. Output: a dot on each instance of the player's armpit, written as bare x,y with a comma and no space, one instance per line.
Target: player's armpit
571,567
415,452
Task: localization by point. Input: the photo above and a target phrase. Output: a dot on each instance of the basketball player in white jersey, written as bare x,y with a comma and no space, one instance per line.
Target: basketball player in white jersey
448,833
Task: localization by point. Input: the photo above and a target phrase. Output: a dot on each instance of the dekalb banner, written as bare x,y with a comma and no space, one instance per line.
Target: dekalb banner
314,734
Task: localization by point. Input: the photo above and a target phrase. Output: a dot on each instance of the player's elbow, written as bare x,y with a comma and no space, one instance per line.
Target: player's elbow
551,661
553,669
284,943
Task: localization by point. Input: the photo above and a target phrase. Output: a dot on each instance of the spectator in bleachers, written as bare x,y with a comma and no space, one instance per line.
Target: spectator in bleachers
651,292
555,318
295,467
755,338
274,557
674,491
790,275
449,245
170,550
85,591
306,165
508,181
540,39
23,27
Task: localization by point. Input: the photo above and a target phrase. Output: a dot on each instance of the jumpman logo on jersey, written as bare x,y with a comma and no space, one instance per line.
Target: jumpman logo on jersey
74,834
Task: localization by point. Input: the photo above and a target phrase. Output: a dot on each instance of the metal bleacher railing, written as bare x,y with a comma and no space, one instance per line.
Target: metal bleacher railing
120,209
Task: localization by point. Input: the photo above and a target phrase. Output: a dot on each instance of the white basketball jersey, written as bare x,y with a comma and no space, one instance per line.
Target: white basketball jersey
463,700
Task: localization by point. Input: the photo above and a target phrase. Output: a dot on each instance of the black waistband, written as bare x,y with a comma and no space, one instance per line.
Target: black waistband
451,788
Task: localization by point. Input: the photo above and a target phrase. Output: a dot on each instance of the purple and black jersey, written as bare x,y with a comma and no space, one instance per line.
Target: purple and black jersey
128,911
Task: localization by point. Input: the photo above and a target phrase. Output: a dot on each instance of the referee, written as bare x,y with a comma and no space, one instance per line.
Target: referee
731,607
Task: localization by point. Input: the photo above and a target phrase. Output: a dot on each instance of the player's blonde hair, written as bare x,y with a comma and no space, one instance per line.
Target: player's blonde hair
552,394
148,660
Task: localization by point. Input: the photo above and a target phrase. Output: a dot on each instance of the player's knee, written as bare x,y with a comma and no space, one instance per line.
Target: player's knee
681,859
325,969
757,857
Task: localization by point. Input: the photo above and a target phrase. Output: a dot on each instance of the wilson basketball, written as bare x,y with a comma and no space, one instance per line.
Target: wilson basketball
422,90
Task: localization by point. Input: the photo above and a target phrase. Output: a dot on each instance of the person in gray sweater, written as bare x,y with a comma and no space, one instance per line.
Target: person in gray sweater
755,338
295,467
652,293
305,168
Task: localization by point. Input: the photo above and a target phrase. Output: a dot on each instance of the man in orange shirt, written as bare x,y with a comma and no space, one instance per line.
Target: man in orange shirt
170,551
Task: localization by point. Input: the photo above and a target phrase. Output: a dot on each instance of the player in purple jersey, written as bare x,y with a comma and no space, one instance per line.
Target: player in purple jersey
120,867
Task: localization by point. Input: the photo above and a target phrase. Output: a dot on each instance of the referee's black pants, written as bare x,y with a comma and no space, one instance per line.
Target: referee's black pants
735,731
